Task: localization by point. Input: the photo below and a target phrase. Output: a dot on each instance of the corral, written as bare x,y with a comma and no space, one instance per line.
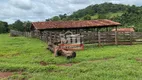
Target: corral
44,30
98,32
65,37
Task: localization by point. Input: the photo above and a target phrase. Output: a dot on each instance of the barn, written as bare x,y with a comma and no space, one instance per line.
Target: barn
89,28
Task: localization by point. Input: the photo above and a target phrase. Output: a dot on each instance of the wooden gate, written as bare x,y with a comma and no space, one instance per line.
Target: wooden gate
137,37
124,38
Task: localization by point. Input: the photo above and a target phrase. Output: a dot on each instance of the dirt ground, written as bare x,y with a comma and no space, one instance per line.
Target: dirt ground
43,63
5,74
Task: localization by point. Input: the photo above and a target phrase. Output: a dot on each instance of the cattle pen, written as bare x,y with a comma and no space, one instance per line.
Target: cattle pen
97,32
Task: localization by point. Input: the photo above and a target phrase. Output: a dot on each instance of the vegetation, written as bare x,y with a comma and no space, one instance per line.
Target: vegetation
125,14
3,27
100,9
29,56
20,26
133,16
87,17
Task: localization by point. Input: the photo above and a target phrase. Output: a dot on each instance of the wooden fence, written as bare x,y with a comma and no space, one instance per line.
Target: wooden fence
99,38
19,33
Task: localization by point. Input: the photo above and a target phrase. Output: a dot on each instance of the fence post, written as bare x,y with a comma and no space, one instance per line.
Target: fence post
131,38
99,39
116,37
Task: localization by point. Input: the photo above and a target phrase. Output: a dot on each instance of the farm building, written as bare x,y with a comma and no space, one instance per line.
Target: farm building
73,25
89,29
125,29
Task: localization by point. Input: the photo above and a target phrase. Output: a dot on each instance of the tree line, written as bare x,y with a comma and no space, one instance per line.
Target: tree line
17,25
3,27
98,9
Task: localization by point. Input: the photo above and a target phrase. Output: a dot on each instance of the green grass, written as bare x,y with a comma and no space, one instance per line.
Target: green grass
94,63
112,15
108,15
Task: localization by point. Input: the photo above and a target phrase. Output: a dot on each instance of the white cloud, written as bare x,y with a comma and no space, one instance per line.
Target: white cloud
22,4
37,10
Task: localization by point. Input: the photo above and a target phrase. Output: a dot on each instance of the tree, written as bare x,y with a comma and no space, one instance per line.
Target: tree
63,16
55,18
75,19
27,26
102,16
18,25
48,20
2,28
6,26
132,9
87,17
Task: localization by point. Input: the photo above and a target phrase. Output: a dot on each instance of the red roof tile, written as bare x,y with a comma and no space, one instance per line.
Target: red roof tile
74,24
125,30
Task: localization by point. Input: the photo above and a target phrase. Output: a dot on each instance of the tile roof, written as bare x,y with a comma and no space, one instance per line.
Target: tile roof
74,24
125,30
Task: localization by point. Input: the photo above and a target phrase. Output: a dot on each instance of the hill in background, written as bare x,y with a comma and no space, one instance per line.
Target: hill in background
125,14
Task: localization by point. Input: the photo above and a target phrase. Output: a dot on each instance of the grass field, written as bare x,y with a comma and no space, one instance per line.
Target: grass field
31,58
108,15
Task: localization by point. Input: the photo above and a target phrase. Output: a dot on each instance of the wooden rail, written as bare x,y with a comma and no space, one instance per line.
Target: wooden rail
100,38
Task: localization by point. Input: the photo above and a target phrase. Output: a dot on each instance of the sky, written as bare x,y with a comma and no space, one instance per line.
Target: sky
39,10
